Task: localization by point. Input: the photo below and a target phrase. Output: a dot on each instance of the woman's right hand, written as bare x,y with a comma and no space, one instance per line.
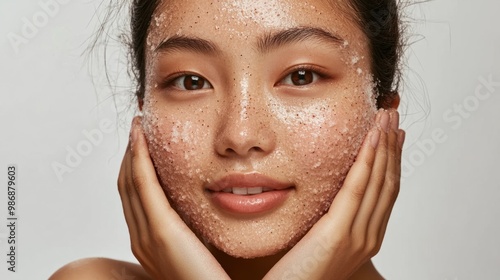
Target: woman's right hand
160,240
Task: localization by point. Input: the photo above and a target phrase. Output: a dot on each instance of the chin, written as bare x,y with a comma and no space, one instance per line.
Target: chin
256,237
251,250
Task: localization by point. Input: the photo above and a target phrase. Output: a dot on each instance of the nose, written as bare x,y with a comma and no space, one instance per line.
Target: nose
245,127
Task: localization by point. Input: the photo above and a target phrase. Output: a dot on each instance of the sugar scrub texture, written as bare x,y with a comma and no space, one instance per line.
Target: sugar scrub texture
307,136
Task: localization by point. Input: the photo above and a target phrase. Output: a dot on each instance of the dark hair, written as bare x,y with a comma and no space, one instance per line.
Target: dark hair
380,22
378,19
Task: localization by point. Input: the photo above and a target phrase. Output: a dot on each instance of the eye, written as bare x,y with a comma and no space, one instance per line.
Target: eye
300,77
190,82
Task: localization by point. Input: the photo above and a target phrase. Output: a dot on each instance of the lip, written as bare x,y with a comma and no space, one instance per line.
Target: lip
276,193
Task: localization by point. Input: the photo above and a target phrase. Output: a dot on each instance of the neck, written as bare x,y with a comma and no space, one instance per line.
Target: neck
257,268
245,269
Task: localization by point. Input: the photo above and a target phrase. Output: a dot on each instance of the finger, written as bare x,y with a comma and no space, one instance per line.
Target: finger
134,215
401,139
376,181
137,221
133,194
152,198
175,240
347,202
130,218
133,210
390,189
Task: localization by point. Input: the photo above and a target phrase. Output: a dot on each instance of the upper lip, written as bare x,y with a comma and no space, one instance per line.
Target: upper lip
247,180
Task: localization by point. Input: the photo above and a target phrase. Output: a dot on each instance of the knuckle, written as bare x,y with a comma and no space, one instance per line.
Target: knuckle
340,242
368,164
392,154
392,186
378,178
358,247
138,180
136,250
156,237
372,246
357,193
144,241
393,138
121,184
376,249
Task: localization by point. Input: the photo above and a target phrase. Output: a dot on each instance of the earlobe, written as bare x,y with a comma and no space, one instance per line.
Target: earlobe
390,101
141,103
394,102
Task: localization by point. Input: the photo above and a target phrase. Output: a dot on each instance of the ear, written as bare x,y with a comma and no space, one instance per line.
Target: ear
141,103
394,104
391,101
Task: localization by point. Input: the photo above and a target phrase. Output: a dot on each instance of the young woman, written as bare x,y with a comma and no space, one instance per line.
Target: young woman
268,145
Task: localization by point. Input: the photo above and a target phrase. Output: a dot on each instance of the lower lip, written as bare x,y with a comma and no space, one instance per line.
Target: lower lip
250,204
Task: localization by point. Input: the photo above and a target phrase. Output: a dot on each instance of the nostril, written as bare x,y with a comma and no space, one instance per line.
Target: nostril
243,151
256,149
242,139
229,151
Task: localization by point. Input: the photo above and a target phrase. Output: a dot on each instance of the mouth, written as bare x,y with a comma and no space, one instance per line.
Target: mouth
249,193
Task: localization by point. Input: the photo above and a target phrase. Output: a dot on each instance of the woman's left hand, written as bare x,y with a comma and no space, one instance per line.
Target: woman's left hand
351,232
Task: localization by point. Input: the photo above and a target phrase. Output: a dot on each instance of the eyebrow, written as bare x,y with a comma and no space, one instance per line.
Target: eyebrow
265,44
296,35
194,44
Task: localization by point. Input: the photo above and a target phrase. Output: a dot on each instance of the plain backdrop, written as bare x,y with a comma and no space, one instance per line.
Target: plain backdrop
445,224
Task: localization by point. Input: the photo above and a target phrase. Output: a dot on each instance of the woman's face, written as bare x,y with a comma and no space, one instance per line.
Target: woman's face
254,112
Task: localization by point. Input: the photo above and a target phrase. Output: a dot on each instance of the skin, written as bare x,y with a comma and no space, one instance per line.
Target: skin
251,117
339,244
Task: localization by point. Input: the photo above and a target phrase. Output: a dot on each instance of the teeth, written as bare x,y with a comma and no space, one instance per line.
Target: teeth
255,190
246,191
241,191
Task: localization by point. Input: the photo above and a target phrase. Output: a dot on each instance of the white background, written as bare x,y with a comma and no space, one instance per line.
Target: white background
445,224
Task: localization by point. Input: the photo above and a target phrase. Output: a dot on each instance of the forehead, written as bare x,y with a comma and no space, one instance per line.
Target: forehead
245,19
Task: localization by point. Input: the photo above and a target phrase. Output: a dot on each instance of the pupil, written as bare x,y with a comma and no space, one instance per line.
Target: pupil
193,82
302,77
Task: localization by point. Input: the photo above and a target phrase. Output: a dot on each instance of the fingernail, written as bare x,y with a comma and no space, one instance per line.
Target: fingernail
401,138
374,138
384,121
395,120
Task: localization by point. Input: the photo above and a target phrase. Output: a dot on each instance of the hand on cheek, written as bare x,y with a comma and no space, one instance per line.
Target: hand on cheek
353,229
160,240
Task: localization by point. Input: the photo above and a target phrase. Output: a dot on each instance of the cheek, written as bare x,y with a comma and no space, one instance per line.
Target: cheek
178,149
324,140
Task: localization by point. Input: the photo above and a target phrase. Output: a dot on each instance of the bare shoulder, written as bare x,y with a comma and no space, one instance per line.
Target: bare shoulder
100,268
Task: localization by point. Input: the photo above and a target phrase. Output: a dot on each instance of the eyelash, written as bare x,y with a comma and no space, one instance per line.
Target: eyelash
170,81
318,72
